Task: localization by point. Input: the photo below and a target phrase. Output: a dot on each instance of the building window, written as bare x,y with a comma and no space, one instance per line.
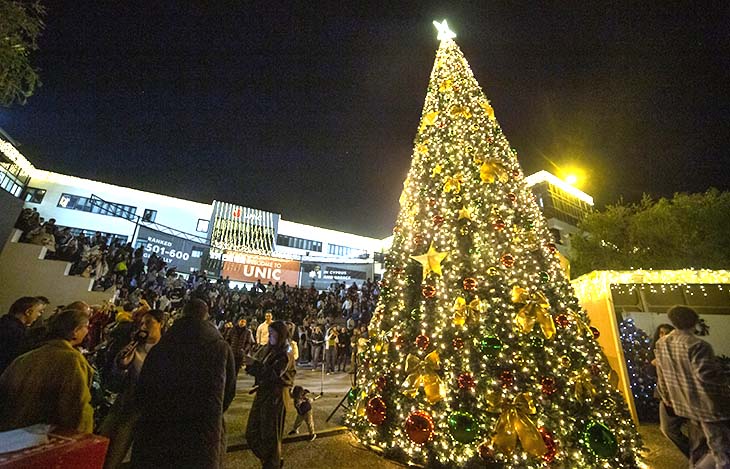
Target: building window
86,204
344,251
202,226
149,215
299,243
34,195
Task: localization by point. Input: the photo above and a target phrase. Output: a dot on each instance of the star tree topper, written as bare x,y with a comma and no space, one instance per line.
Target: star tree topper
444,32
431,261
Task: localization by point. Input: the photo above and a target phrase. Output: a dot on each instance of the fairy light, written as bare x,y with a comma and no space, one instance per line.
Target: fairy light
462,159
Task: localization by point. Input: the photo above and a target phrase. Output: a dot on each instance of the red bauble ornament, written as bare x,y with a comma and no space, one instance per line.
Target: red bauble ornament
399,341
507,260
499,224
432,202
515,173
438,220
551,247
458,343
596,332
380,383
485,452
470,283
512,197
466,381
548,385
595,369
375,411
550,444
507,378
419,239
562,320
429,291
398,271
419,427
422,342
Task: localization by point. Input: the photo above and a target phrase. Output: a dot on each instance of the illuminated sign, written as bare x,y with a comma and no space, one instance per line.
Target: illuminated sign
244,267
321,275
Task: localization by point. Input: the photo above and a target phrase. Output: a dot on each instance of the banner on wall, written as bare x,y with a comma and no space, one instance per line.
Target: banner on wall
322,274
242,267
181,253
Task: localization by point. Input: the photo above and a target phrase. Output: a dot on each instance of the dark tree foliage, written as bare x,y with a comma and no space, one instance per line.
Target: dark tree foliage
20,25
686,231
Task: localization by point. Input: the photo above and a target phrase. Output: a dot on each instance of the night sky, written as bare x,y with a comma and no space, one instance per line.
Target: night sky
309,109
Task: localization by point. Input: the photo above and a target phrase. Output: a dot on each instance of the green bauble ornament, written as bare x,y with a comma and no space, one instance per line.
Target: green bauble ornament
352,395
599,440
462,427
490,344
544,277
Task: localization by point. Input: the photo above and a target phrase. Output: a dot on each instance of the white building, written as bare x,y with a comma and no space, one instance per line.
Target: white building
182,231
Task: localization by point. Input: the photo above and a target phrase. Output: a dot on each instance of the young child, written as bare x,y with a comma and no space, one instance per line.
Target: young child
304,411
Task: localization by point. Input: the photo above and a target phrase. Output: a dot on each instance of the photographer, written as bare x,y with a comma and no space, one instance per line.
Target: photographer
119,424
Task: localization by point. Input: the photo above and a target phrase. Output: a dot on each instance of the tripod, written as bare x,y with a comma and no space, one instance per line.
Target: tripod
350,392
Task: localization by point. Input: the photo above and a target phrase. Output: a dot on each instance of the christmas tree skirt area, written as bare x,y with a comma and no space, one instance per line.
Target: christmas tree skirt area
342,451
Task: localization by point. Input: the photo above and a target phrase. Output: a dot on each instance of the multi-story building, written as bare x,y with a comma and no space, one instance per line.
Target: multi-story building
224,238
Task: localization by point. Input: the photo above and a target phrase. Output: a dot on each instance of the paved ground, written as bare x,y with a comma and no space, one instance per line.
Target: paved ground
335,448
333,388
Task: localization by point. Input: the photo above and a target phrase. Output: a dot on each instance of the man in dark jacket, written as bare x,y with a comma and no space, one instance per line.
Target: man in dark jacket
187,383
14,328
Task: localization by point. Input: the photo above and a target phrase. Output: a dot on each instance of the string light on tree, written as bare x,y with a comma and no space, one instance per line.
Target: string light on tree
493,365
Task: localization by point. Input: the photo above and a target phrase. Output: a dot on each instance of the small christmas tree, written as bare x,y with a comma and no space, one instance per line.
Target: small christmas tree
479,352
637,348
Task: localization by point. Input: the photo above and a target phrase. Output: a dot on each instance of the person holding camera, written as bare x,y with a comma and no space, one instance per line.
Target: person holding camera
119,424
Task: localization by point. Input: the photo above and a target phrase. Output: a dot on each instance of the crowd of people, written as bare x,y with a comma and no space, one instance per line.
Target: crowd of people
170,349
108,351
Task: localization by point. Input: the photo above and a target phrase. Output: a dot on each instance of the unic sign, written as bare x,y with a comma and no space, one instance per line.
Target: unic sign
251,267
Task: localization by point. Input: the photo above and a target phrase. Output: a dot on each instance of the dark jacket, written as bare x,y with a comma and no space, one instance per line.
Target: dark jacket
274,371
187,382
12,337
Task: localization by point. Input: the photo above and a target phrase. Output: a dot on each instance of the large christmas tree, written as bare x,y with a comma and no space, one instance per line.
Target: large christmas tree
479,352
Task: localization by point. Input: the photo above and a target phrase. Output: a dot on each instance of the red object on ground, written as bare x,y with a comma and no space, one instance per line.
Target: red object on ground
63,451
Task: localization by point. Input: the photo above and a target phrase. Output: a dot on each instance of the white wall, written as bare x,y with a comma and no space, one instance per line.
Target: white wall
719,327
176,213
326,237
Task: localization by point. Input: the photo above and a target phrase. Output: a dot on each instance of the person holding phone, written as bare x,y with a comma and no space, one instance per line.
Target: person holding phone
118,426
273,368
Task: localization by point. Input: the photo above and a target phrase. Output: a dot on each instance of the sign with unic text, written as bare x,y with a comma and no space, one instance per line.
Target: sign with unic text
250,268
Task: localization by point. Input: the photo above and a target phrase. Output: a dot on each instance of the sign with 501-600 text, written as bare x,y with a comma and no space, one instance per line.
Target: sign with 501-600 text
177,252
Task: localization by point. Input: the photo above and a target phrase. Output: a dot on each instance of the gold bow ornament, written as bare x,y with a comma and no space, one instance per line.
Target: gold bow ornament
514,423
535,308
424,373
453,184
462,309
460,111
585,391
491,171
488,109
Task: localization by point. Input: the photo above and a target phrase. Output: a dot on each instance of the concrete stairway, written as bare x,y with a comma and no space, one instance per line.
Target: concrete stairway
24,271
